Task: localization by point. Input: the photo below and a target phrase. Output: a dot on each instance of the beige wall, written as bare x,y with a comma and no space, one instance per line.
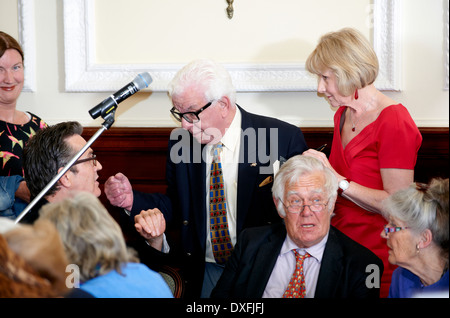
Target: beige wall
138,34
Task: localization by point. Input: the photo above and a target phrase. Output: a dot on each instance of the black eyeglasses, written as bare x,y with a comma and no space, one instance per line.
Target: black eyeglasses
93,158
190,117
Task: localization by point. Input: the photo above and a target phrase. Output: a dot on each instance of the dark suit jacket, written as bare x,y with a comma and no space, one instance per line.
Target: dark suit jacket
184,204
342,273
33,214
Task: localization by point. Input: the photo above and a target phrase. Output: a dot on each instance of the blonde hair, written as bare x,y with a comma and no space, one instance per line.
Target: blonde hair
36,263
92,238
349,55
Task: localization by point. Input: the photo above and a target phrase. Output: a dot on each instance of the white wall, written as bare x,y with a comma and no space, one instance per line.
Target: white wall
421,55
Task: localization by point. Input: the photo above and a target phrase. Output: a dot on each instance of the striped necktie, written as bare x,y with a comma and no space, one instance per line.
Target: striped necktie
220,234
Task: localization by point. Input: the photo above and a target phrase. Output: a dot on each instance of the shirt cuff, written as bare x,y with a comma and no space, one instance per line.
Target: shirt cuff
165,246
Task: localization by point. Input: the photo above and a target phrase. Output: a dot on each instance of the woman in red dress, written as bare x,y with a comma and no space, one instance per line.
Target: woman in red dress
375,140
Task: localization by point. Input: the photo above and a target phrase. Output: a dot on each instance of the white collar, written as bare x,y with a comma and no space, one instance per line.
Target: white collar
315,251
232,134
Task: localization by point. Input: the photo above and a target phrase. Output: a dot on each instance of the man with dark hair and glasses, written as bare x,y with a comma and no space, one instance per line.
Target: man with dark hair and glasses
47,153
247,145
305,257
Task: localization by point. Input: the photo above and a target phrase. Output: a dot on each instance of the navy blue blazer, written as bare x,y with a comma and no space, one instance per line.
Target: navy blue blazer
184,204
342,274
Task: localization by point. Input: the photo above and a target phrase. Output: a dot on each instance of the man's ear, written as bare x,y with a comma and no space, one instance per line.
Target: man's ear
66,179
224,104
331,204
275,201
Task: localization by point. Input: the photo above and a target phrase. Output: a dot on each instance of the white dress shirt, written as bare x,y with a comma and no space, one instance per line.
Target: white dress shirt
231,141
285,266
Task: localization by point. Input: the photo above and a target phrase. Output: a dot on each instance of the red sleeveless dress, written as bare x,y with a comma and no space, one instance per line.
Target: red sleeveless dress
391,141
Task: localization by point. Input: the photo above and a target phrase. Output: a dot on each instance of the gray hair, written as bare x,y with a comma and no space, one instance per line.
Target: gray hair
294,169
422,206
204,74
92,238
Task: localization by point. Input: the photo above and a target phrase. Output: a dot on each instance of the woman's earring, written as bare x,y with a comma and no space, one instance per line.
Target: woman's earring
417,249
356,94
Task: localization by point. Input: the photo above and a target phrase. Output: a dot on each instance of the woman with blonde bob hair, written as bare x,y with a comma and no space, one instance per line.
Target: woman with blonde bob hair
369,163
417,236
350,56
94,241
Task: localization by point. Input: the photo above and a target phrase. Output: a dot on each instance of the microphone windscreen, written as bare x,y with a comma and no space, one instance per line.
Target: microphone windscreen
142,80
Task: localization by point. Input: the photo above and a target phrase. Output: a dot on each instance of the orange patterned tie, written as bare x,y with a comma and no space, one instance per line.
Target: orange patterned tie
296,287
220,234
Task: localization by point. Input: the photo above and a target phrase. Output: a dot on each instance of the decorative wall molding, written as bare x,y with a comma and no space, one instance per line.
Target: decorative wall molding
84,75
386,38
27,39
446,44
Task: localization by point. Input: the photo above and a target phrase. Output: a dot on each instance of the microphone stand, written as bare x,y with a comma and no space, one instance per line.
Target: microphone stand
109,120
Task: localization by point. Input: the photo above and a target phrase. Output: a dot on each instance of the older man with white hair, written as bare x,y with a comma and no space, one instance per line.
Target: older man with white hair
305,257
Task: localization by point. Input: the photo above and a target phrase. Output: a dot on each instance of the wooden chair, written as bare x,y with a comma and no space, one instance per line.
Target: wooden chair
174,280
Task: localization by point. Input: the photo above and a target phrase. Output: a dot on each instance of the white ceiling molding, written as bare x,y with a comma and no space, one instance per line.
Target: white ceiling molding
84,75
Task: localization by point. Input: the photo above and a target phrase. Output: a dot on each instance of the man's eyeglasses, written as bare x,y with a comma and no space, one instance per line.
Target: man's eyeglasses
390,229
295,207
190,117
93,158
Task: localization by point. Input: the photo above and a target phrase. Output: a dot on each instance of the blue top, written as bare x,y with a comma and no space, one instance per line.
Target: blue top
10,206
405,284
136,281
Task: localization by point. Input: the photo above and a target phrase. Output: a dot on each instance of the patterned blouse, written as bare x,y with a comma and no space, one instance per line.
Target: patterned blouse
12,140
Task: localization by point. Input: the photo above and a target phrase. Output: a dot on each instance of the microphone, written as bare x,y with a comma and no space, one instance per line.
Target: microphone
104,108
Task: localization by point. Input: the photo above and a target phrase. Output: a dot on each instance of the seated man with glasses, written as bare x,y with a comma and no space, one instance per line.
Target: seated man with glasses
305,257
47,153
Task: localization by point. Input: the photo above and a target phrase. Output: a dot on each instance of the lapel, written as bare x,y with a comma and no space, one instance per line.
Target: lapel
196,176
247,173
331,268
265,259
